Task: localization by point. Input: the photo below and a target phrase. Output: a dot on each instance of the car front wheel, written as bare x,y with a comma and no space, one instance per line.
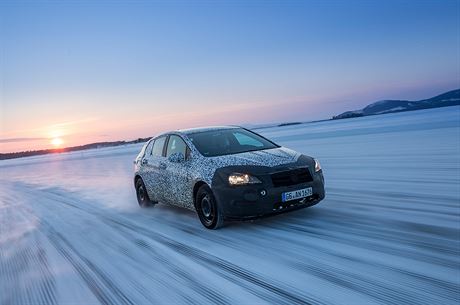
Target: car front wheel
142,196
208,210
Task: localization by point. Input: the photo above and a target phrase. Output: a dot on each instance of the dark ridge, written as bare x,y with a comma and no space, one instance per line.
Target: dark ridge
29,153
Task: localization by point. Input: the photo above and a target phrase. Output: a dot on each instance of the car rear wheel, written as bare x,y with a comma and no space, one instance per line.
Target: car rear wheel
208,210
142,196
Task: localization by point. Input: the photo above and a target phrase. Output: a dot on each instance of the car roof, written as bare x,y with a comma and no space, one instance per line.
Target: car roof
207,128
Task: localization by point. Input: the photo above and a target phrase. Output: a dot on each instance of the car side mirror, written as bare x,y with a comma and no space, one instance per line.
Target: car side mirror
177,157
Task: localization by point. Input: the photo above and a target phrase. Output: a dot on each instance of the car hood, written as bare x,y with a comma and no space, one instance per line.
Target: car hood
267,157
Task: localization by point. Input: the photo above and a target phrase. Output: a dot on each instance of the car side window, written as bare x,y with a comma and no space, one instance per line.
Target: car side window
148,149
246,140
176,144
157,150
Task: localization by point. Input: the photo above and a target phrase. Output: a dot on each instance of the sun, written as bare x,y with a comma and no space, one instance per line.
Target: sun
56,142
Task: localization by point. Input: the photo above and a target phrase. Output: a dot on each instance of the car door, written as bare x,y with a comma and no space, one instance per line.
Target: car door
179,189
154,163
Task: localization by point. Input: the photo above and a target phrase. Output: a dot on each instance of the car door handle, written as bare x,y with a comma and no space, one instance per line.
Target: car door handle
162,165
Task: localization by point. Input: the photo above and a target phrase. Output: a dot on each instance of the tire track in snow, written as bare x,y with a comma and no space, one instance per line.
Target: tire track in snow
373,237
98,282
187,277
359,282
378,290
34,258
222,267
28,257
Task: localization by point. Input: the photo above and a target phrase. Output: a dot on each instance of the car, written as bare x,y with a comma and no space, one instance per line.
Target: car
225,173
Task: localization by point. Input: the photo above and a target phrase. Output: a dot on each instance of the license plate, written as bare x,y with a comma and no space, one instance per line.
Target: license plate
288,196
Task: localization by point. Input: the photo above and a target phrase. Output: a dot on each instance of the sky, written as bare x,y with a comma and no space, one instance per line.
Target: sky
77,72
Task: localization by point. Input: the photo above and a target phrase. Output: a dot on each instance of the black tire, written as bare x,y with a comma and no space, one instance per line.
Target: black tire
207,209
141,193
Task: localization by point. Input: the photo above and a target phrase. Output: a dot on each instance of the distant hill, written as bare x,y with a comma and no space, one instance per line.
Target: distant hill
450,98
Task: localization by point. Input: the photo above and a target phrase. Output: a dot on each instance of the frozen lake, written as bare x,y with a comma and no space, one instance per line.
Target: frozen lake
388,231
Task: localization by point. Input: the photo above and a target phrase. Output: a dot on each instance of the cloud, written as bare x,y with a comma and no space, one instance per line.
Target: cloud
14,140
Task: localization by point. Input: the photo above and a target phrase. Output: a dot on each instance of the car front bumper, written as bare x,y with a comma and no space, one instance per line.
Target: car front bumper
259,200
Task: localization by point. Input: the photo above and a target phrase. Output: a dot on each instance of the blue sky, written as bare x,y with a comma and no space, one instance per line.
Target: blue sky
122,69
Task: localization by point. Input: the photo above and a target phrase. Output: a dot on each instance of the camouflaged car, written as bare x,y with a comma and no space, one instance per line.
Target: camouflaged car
225,173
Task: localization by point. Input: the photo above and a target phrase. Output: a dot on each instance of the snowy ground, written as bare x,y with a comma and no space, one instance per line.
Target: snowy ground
388,231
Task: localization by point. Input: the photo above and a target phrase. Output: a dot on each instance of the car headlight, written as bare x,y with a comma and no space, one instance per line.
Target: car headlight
317,166
242,179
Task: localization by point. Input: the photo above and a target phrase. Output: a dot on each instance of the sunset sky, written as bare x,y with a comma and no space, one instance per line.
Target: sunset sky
75,72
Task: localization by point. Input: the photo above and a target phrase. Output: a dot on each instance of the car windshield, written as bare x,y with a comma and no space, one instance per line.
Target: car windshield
228,141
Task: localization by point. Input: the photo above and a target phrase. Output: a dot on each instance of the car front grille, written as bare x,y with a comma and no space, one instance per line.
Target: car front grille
291,177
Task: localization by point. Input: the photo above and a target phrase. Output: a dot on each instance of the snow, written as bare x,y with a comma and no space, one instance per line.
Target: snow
388,231
392,109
